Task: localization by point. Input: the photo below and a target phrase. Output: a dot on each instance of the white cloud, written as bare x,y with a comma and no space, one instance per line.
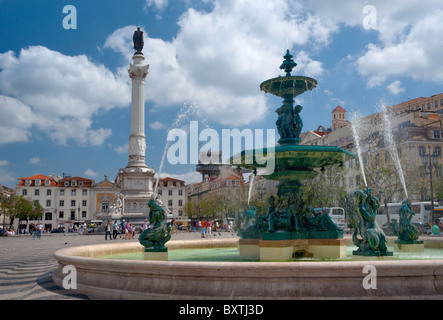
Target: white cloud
35,161
121,149
91,173
3,162
395,87
156,125
219,57
15,120
159,4
58,94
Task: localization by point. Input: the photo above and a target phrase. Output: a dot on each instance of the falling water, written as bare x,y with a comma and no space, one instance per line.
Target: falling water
356,130
251,182
187,113
389,140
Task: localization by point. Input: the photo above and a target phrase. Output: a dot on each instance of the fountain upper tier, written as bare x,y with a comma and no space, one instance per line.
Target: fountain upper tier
288,85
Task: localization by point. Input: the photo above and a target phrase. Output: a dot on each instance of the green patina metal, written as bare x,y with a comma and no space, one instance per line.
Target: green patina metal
154,239
289,216
367,236
405,230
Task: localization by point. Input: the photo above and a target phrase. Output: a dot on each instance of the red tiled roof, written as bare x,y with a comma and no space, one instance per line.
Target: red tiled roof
33,178
339,108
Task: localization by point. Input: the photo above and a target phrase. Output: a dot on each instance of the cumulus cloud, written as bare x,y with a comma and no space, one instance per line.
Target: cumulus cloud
220,56
57,94
35,161
156,125
91,173
395,87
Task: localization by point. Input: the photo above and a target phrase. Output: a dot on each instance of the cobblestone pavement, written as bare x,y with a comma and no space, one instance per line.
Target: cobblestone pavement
26,265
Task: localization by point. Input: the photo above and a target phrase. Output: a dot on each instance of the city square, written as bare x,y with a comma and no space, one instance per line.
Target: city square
340,199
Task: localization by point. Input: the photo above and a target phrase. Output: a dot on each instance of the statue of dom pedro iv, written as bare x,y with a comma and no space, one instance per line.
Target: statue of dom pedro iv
137,38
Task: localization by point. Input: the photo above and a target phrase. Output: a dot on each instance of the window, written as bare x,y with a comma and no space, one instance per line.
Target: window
169,192
48,215
429,106
73,183
48,203
61,214
160,192
436,104
62,203
47,183
83,214
169,203
80,183
73,192
180,192
437,150
62,192
36,202
37,182
180,203
437,134
72,215
28,182
72,203
24,192
48,192
66,183
421,150
84,203
441,102
84,192
36,192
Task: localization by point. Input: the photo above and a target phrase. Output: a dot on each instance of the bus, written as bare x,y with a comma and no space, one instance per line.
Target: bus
422,215
337,215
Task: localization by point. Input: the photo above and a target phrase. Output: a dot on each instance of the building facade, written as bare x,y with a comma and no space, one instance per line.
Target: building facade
174,195
414,129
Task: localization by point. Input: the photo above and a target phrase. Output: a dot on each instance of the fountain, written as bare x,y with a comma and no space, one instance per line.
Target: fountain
293,228
287,229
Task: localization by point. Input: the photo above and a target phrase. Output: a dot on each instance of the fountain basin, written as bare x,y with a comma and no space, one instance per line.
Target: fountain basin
100,278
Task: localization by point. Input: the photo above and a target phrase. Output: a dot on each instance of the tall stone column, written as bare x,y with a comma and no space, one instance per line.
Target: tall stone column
137,140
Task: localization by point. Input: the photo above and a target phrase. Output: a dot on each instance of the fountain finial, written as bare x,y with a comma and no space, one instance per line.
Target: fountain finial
288,64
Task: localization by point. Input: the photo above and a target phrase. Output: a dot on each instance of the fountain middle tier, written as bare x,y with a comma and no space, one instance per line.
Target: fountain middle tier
291,162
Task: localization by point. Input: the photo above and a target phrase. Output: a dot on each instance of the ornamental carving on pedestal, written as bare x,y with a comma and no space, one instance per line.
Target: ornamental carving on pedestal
137,146
138,72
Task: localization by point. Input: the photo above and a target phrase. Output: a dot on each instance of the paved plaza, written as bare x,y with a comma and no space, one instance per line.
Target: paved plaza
26,265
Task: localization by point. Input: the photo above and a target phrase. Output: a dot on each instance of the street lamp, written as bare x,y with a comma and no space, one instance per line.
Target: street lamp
430,160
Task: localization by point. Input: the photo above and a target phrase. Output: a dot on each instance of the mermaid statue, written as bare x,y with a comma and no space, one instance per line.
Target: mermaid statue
160,232
373,239
405,230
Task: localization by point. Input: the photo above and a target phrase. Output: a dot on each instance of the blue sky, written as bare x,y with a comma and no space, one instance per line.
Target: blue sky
65,93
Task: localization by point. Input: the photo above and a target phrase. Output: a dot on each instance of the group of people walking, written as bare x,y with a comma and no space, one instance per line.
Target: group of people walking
124,230
36,230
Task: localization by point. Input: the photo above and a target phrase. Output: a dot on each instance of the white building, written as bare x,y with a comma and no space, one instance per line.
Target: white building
174,195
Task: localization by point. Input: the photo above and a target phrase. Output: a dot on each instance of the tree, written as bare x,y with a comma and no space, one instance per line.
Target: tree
325,189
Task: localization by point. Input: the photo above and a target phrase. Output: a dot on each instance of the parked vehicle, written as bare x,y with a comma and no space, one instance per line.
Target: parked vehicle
422,215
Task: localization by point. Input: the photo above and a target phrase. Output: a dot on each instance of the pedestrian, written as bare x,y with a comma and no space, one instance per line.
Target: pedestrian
194,225
39,230
208,228
145,225
33,231
114,230
203,228
108,229
122,228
